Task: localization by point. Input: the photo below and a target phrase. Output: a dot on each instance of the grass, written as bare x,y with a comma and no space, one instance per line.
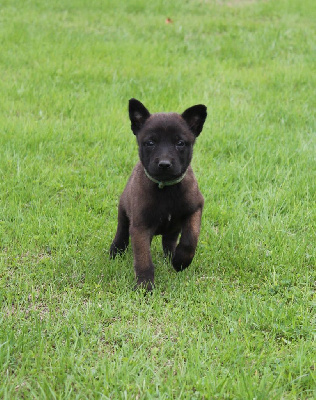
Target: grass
240,322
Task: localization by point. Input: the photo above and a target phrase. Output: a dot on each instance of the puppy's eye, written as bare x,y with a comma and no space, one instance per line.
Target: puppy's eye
180,143
149,143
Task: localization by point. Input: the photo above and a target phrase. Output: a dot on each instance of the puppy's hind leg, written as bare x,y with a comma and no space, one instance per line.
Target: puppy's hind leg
169,243
121,239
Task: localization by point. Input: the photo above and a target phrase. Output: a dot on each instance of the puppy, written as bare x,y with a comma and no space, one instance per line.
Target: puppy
162,195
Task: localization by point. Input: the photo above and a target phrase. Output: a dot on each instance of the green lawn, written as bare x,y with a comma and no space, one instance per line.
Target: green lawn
240,322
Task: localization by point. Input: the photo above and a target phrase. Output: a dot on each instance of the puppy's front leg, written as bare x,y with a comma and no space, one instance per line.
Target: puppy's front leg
189,238
144,267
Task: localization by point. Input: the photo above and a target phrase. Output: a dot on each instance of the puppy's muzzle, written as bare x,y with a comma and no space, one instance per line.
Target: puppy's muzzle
164,164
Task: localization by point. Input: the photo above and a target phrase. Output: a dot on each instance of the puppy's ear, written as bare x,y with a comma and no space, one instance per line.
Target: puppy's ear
138,114
195,117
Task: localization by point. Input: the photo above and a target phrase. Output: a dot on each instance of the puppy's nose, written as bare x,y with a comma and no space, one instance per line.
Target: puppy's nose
164,164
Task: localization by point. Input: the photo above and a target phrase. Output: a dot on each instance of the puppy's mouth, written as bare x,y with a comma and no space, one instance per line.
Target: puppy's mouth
168,174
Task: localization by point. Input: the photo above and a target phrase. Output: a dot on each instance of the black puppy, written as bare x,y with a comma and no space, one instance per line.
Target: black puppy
162,195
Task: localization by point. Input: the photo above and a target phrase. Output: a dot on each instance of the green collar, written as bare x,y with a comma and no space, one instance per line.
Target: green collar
162,184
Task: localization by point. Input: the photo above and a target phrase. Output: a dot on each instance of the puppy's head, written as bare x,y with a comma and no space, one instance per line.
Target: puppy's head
166,140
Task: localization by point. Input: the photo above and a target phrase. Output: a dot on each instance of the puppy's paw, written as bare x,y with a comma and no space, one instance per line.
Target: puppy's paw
117,248
148,286
182,258
113,250
146,283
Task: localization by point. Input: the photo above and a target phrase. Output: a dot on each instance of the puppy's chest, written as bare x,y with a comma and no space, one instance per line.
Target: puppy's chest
165,216
162,214
166,222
